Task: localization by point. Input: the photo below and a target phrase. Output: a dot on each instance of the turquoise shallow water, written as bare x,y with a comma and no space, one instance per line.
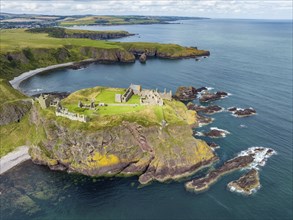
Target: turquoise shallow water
251,59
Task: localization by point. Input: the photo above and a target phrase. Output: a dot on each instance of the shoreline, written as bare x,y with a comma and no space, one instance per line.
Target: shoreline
12,159
16,81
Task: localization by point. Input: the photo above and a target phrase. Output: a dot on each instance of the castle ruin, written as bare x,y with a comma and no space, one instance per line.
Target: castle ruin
147,97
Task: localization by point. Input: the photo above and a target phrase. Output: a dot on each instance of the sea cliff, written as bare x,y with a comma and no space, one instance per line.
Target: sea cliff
132,142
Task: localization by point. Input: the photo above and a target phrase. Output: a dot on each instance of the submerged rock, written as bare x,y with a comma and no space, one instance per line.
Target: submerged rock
184,93
246,184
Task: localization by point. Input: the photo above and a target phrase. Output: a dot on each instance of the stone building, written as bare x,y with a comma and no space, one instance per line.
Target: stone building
70,115
135,88
147,97
46,101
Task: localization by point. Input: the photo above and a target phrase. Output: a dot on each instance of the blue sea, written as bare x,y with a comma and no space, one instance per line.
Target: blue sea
251,59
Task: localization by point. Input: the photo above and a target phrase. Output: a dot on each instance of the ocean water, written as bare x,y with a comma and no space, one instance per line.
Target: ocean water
251,59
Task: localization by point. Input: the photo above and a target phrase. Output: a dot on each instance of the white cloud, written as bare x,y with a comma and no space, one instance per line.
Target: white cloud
205,8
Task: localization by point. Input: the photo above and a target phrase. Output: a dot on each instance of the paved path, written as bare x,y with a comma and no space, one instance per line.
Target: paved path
14,158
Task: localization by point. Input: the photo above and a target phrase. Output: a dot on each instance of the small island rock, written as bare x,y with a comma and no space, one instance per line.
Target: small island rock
246,184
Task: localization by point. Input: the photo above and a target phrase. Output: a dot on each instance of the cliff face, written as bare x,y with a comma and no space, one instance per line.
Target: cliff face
13,104
15,63
127,149
13,111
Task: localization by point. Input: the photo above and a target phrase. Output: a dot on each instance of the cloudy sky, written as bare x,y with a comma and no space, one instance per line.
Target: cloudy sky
267,9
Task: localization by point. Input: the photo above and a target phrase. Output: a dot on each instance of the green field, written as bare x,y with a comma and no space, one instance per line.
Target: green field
18,39
109,20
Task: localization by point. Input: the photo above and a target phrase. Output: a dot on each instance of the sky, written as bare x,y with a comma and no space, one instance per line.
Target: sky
248,9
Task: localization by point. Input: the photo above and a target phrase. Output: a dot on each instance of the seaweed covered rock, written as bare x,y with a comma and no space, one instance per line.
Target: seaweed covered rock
246,184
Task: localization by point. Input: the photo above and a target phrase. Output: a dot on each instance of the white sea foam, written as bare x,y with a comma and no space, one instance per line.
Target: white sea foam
241,191
209,88
243,126
198,133
260,155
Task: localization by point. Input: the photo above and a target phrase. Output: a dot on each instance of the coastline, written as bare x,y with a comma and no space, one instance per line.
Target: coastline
14,158
17,80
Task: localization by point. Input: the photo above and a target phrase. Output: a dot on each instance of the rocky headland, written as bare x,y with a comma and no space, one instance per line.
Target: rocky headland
122,144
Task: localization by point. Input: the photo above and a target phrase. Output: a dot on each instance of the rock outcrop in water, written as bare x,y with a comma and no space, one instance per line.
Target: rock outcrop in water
211,109
207,96
238,112
253,157
214,133
246,184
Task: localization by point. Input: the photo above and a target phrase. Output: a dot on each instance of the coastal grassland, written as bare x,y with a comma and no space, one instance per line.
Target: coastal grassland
17,39
21,51
109,20
67,33
174,112
8,94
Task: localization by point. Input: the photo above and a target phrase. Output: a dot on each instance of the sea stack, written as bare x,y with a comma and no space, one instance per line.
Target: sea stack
143,58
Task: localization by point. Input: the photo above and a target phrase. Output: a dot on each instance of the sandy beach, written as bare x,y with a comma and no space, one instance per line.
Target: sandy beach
17,80
14,158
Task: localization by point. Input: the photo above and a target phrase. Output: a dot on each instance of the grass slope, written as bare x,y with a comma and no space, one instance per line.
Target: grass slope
8,93
174,112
